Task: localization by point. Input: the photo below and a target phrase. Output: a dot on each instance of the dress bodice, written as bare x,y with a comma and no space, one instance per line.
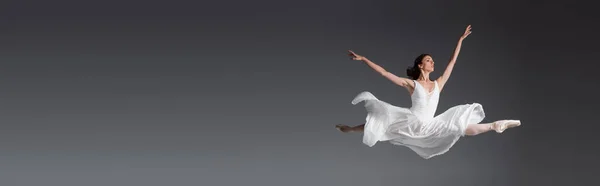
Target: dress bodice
424,103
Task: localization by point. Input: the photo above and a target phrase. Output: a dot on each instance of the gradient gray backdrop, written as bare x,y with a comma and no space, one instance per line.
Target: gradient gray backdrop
248,92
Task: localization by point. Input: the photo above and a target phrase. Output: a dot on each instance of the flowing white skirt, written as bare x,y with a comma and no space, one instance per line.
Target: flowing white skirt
399,126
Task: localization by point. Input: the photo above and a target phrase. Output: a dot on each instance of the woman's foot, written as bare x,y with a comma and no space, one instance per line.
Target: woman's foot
501,125
344,128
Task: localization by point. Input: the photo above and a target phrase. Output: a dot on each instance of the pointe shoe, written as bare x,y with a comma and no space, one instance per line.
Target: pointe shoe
500,126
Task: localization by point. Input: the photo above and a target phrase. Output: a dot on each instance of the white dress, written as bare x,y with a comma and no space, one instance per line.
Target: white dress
417,127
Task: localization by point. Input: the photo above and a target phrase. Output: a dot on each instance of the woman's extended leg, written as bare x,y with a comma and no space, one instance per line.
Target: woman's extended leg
498,126
346,128
475,129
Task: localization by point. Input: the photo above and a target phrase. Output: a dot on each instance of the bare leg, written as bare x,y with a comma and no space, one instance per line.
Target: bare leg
499,126
476,129
346,128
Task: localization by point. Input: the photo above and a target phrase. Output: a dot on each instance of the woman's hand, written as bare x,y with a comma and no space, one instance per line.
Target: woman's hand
467,32
355,56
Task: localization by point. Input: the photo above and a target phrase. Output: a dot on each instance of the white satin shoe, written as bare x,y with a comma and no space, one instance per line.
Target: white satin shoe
501,125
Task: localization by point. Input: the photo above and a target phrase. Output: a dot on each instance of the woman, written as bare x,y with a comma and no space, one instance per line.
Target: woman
417,127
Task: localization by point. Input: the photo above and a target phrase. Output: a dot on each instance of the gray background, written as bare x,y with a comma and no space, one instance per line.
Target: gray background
248,92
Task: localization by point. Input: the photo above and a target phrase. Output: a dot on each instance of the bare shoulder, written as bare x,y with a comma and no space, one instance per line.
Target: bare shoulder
410,83
403,82
410,86
441,82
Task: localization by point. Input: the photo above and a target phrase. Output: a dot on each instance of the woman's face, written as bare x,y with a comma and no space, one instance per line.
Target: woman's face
427,64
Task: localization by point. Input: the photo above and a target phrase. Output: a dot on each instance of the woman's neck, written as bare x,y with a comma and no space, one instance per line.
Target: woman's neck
424,77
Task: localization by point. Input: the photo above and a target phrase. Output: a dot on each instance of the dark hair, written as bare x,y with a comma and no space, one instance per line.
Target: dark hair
414,72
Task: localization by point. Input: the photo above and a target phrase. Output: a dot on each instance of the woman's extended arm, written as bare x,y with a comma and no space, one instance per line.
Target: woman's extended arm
404,82
446,75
